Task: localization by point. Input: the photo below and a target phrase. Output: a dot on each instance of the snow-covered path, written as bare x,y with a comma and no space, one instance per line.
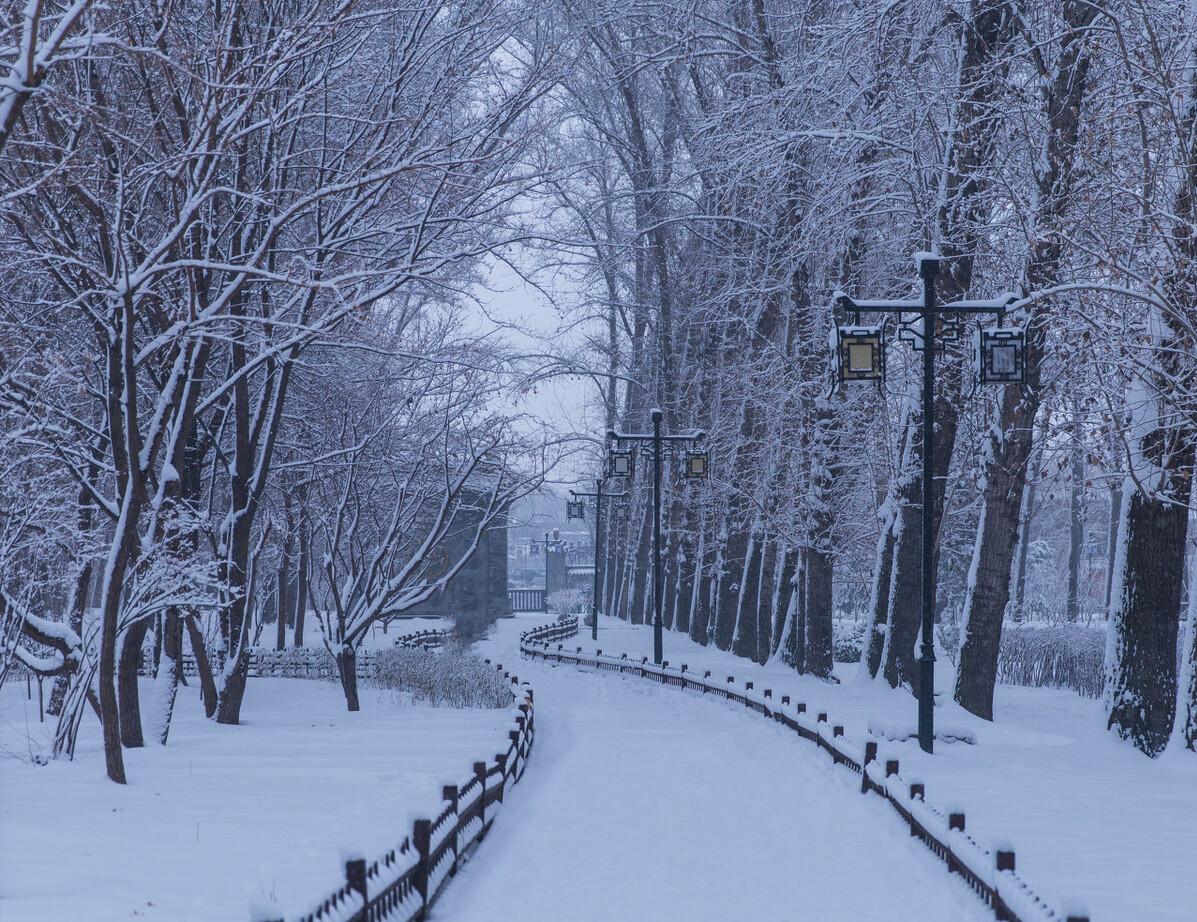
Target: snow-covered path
645,803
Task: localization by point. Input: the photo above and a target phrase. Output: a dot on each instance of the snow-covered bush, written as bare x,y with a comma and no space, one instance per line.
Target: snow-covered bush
445,678
947,632
568,601
847,640
1053,655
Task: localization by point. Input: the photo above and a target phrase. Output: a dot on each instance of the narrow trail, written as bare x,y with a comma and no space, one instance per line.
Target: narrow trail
645,803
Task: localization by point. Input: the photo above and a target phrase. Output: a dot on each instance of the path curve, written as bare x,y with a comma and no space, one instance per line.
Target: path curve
643,803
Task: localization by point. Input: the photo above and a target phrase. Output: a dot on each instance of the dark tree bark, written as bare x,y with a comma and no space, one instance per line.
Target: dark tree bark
1141,689
347,671
128,698
983,66
1076,531
1010,453
304,568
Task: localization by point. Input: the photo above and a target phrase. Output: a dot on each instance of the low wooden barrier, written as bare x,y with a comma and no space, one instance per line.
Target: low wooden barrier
401,884
991,874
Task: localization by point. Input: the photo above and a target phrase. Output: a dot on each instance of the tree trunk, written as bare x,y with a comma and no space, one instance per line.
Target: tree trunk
1009,452
347,671
284,583
1142,684
1076,534
166,680
302,574
817,655
1185,733
128,697
203,667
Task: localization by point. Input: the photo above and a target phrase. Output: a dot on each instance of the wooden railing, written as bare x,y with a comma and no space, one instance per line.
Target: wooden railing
401,884
526,600
428,640
991,875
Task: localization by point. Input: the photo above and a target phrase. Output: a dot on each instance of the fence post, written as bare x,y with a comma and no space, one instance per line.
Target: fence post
870,756
480,774
785,699
514,736
449,792
1005,859
501,758
422,840
891,767
355,879
822,718
956,821
837,730
801,706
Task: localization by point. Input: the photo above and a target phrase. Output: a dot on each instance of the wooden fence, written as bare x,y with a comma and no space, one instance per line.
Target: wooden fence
400,885
311,662
991,874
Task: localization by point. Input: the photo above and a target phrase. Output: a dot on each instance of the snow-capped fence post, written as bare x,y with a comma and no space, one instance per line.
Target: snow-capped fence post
1004,858
956,821
355,877
480,774
870,756
422,840
450,793
891,767
785,699
501,758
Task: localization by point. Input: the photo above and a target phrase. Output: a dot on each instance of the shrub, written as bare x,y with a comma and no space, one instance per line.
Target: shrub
847,640
445,678
568,601
1054,655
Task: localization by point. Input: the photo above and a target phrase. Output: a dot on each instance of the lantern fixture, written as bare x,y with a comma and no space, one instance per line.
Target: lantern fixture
861,353
698,465
620,462
1001,355
574,509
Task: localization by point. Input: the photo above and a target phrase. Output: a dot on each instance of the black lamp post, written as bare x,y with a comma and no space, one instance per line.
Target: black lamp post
598,496
619,458
861,358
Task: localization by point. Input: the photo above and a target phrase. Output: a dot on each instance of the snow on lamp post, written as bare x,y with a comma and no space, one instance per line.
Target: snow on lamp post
860,357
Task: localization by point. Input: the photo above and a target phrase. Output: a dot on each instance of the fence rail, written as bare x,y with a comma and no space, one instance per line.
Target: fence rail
428,640
991,874
401,884
528,600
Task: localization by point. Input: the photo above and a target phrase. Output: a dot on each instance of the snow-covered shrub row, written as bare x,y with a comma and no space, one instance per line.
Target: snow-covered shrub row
1053,655
447,677
567,601
847,640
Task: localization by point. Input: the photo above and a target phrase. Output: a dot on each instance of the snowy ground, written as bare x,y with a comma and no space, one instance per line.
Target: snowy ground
643,803
1092,820
222,817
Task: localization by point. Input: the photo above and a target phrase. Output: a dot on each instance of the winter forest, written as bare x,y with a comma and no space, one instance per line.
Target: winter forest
265,412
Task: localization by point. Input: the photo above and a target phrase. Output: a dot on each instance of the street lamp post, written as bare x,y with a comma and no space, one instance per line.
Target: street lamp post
656,438
598,496
868,364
